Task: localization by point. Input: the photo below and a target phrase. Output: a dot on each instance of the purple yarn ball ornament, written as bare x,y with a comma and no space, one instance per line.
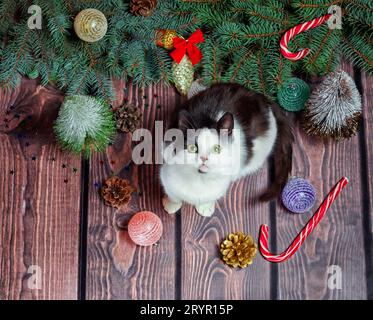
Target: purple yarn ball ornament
299,195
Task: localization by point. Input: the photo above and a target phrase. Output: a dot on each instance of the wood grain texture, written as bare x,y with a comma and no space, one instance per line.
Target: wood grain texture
116,268
204,275
367,95
39,204
338,239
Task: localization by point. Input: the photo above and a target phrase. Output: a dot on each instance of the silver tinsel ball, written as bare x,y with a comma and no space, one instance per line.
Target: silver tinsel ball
334,108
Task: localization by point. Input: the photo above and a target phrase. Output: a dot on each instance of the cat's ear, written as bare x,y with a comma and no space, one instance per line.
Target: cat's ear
185,120
226,122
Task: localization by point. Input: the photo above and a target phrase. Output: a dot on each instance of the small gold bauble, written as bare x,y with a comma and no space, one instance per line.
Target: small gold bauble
90,25
165,38
183,75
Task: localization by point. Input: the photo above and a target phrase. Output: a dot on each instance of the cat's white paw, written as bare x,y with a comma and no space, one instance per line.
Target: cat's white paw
169,206
206,209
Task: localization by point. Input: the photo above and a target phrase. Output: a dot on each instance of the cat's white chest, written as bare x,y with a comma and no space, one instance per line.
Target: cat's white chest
194,188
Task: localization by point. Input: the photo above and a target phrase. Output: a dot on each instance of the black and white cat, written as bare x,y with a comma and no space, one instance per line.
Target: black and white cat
235,132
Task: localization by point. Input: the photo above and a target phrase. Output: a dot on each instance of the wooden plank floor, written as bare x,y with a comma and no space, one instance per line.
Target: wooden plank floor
59,241
39,206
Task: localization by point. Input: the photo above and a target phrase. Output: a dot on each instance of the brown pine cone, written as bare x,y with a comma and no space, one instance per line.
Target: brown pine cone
238,250
116,192
128,118
142,7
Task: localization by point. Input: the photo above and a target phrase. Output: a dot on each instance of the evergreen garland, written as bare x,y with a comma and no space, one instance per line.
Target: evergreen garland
242,42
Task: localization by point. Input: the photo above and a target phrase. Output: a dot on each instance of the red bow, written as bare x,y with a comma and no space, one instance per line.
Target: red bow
183,46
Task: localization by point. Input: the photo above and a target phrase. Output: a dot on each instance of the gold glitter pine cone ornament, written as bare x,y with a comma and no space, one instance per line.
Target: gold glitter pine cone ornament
183,75
90,25
128,118
238,250
116,192
143,8
165,38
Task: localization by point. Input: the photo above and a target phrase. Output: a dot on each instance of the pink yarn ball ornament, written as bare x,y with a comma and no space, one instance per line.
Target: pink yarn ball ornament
145,228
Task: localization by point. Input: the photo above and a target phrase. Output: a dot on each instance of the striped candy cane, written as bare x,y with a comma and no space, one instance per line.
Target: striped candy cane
302,236
288,35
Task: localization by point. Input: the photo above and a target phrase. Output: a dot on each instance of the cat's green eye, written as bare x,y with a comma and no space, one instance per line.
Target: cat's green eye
192,148
216,148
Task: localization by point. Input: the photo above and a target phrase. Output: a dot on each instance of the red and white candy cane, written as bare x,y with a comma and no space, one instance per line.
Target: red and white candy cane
288,35
311,224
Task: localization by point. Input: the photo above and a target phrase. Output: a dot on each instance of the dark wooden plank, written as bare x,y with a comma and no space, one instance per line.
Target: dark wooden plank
39,210
338,239
367,94
117,269
204,275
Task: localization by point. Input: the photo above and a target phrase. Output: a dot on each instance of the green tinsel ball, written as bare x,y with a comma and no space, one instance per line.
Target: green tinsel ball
293,94
84,124
33,74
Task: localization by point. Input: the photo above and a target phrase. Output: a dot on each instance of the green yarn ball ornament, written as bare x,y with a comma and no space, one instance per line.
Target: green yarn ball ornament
293,94
33,74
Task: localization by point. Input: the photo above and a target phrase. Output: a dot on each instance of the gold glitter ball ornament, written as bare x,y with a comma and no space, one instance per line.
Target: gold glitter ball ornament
183,75
90,25
238,250
165,38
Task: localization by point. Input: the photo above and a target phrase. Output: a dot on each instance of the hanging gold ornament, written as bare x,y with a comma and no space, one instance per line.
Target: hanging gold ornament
90,25
183,75
165,38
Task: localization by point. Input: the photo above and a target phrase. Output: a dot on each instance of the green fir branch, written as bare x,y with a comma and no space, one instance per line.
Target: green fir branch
241,42
323,43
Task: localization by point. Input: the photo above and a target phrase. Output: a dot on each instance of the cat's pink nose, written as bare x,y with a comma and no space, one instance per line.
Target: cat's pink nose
204,158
